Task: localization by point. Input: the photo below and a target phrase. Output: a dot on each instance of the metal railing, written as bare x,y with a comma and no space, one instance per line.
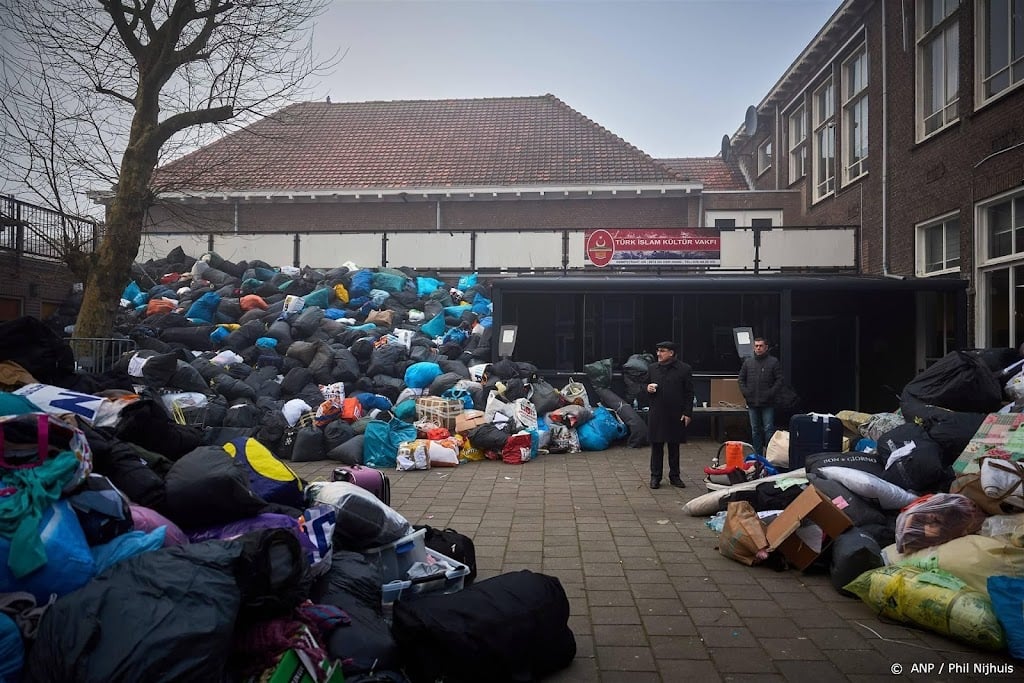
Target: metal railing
38,231
98,354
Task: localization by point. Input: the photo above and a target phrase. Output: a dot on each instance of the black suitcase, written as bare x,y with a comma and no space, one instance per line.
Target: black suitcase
813,433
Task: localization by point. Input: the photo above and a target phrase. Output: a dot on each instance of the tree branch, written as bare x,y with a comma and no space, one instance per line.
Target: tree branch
186,119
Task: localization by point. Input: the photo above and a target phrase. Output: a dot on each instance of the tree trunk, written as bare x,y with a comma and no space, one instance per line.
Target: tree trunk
111,267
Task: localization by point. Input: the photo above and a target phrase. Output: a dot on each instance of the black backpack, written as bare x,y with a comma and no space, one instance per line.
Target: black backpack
451,543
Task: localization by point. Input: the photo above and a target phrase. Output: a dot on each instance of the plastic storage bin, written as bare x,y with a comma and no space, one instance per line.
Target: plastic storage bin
394,559
451,581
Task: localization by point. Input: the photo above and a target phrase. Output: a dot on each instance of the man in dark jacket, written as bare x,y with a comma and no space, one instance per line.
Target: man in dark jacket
670,391
759,380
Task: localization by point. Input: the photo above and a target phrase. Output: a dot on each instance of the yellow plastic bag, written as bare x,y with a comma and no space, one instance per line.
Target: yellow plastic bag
935,600
972,559
468,451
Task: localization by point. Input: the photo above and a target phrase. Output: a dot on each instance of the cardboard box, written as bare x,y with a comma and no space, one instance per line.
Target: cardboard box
801,547
726,391
468,419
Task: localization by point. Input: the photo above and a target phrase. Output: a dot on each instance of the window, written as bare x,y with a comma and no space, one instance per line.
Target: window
938,246
1000,46
824,142
1001,271
764,156
938,63
855,116
1005,228
797,144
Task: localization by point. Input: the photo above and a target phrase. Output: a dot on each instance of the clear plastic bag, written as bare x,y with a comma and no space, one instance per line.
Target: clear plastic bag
1006,528
934,519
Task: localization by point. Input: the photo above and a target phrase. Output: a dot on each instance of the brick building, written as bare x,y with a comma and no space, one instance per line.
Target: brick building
907,118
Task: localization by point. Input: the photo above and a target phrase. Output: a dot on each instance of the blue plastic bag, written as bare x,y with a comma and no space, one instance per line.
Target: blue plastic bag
127,545
204,308
319,297
69,562
381,441
361,284
467,281
1007,594
12,650
597,433
427,285
481,305
435,328
131,291
420,375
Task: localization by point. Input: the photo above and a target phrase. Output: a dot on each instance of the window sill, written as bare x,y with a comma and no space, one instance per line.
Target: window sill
937,273
952,125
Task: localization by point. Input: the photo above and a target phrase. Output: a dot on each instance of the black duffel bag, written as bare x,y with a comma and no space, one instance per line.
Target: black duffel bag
512,627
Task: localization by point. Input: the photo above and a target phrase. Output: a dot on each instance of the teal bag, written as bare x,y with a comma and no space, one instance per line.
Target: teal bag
380,444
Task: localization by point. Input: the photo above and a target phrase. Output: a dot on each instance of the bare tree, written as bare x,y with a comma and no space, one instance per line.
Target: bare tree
98,93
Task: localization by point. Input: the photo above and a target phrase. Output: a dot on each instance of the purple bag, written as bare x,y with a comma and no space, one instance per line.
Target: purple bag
145,519
265,520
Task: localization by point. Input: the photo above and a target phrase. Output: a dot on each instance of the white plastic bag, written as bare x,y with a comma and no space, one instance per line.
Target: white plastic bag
1015,386
1003,480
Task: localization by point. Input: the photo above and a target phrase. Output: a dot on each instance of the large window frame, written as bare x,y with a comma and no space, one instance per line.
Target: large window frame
824,166
938,66
938,246
797,128
855,115
999,319
999,48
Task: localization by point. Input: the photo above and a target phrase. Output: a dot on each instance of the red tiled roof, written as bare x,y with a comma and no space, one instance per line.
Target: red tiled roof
713,172
500,142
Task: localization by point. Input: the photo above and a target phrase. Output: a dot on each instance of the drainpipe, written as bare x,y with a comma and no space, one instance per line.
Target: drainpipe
437,219
885,148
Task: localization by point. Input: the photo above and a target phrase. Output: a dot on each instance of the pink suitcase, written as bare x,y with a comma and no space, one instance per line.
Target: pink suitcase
374,481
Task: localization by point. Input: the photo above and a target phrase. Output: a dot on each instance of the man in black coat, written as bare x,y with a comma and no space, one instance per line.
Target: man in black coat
670,391
759,379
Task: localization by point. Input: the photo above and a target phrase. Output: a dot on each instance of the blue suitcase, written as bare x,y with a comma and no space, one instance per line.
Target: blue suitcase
813,433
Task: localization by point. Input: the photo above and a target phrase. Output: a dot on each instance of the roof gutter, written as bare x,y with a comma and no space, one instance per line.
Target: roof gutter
624,191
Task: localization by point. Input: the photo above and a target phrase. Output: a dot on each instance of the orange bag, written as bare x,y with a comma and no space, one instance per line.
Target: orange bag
351,409
251,301
160,305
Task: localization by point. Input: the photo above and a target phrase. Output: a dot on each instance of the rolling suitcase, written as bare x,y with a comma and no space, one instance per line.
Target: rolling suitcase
813,433
374,481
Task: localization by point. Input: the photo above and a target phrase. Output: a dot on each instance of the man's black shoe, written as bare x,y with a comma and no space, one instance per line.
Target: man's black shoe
678,483
655,483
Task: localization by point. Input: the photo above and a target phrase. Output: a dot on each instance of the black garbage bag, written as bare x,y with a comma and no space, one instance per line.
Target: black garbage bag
920,469
366,644
106,630
634,375
146,423
634,422
958,381
600,373
38,349
853,553
951,430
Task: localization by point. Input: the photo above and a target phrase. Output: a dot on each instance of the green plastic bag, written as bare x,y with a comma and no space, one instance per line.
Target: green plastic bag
933,599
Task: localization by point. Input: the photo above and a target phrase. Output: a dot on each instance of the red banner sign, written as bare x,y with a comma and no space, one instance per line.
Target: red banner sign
662,247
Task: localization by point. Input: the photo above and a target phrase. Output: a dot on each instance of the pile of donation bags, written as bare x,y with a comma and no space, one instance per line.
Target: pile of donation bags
923,519
222,564
181,479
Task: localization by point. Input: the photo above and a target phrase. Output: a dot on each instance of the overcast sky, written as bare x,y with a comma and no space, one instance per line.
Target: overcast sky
669,76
